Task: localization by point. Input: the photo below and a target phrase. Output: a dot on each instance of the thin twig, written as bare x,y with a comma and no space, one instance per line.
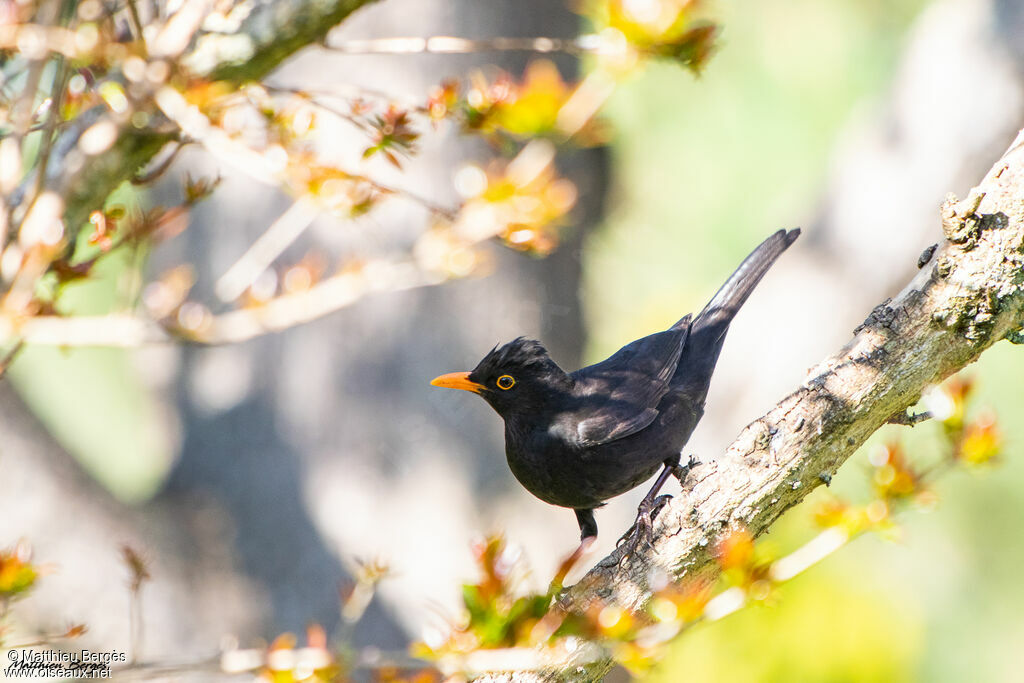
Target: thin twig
151,174
173,39
811,553
60,81
317,103
113,330
9,357
453,45
584,103
51,39
22,114
265,250
436,209
196,125
348,91
135,624
341,114
38,127
136,22
241,661
277,314
327,296
21,117
218,143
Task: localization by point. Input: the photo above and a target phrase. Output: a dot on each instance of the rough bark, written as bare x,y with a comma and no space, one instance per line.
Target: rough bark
968,296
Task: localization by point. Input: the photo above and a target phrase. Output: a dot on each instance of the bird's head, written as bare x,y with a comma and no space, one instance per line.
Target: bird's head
516,378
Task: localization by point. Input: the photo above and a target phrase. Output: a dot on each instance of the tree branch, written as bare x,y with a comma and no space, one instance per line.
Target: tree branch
270,34
968,296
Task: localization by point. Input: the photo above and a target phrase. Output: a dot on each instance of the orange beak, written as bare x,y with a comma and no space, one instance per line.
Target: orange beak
457,380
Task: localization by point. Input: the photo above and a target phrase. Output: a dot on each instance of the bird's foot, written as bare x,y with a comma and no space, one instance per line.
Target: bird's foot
680,471
642,531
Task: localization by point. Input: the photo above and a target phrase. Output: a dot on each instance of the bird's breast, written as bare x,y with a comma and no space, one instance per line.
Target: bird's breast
545,471
563,473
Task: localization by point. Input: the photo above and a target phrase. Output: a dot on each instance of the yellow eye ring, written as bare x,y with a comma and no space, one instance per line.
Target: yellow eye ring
506,382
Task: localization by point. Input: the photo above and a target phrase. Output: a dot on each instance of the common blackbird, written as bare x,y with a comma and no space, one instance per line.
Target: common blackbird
577,439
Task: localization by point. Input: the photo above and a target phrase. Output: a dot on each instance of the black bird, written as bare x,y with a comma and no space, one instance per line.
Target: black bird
577,439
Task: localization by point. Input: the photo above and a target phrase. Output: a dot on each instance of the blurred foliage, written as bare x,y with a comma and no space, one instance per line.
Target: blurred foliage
670,29
91,64
92,61
500,614
17,573
504,110
19,576
824,626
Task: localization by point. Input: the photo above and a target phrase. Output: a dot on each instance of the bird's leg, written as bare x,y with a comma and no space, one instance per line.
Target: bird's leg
680,471
588,525
650,506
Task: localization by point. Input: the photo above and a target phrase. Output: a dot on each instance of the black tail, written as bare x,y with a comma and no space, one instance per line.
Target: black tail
731,296
707,333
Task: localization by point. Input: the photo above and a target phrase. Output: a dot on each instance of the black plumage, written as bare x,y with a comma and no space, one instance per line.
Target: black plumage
577,439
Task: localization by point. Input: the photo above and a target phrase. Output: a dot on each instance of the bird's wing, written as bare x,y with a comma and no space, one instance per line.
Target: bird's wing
619,396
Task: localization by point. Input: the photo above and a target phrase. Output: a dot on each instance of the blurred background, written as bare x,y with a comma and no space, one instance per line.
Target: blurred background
256,477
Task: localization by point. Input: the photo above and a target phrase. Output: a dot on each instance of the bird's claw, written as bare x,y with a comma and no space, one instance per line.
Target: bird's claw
642,531
680,471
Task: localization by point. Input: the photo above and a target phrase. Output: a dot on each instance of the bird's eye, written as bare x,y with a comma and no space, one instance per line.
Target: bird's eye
506,382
